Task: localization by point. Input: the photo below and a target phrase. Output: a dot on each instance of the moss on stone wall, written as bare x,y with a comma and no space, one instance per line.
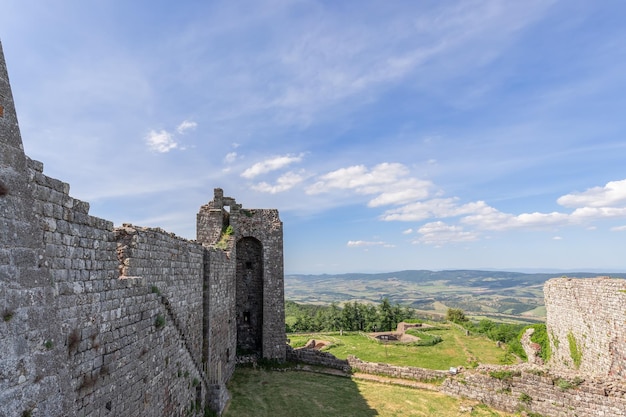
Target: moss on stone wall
574,350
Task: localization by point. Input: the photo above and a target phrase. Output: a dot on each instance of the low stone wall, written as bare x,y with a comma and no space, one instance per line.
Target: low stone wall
521,389
315,357
405,372
513,389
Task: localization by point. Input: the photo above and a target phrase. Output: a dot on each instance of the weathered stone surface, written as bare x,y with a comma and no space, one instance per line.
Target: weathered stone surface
127,321
316,357
404,372
532,349
538,391
585,323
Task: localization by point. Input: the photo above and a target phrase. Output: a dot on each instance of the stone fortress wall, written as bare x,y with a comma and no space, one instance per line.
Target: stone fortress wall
127,321
586,321
586,325
133,321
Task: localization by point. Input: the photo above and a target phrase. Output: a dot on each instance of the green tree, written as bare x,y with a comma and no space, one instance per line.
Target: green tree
370,318
484,326
303,323
386,316
456,315
503,332
360,316
333,318
349,320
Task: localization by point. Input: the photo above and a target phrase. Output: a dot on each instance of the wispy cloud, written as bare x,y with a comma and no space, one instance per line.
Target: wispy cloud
270,165
361,91
230,157
364,243
439,233
185,126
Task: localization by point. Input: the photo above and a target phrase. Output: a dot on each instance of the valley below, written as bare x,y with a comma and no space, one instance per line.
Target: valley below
497,295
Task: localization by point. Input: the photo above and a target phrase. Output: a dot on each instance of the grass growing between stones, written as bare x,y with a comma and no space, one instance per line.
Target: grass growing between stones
456,349
266,393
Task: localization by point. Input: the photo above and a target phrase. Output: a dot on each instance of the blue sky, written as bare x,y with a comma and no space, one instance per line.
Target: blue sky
390,135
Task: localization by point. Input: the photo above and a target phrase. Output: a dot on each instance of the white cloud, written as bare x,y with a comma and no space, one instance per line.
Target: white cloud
594,213
593,204
493,219
284,183
185,126
439,233
393,186
360,178
435,208
557,238
407,231
230,157
618,229
403,192
612,194
271,164
387,179
364,243
161,141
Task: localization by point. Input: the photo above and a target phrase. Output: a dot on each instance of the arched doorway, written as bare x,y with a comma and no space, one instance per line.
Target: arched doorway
249,296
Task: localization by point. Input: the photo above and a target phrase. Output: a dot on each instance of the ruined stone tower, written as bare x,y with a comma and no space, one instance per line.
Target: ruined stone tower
125,321
257,251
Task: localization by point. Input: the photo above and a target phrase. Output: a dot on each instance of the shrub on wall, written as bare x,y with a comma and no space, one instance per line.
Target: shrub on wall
540,336
159,322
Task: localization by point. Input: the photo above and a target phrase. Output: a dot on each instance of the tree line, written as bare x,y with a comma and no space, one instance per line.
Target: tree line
352,316
504,332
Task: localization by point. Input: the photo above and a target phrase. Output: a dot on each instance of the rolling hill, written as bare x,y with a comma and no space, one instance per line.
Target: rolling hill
493,294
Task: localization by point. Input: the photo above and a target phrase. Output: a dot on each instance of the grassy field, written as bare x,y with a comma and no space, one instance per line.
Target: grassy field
263,393
457,349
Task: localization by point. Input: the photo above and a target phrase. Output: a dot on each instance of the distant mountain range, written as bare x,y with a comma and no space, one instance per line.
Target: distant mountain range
482,293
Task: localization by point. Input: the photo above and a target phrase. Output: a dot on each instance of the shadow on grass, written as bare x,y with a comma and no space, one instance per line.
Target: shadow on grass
269,393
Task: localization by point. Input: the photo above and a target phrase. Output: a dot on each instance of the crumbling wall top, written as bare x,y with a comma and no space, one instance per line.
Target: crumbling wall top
220,202
9,130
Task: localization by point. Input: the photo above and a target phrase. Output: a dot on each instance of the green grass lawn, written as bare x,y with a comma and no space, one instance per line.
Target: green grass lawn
457,349
265,393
